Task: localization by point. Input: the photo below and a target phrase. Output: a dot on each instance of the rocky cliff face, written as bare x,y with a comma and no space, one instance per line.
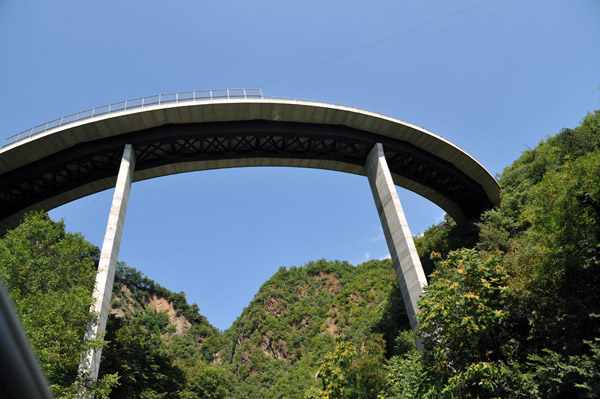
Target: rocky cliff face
135,296
127,304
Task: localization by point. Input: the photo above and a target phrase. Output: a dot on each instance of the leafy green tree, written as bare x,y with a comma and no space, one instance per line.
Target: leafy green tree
49,274
568,377
501,226
464,326
139,356
207,382
351,372
462,318
559,261
443,238
407,377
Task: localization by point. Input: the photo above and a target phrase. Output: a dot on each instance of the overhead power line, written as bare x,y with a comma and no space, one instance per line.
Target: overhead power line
432,22
370,31
420,43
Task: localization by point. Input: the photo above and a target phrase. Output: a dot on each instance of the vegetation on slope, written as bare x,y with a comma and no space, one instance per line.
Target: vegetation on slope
518,316
275,347
512,309
159,346
49,274
156,340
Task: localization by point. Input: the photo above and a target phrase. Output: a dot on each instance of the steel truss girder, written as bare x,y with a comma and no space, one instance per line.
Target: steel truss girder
176,143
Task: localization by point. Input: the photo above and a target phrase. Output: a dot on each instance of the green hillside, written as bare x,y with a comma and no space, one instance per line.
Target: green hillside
275,347
512,309
518,314
157,345
154,337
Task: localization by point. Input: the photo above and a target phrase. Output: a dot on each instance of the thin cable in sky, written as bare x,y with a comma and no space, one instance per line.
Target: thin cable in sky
336,57
422,42
344,41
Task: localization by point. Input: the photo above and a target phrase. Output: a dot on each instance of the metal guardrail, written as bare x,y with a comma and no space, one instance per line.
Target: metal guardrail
186,96
150,101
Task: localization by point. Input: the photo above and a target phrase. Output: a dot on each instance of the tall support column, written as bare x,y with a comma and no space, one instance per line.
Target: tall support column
409,271
90,362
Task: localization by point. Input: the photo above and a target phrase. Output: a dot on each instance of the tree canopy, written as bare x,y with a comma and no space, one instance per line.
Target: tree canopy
512,309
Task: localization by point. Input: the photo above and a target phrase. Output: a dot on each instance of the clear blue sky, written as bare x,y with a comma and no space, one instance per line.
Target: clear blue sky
493,76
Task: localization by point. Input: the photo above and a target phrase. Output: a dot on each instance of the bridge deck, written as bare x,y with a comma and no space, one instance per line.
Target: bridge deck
68,162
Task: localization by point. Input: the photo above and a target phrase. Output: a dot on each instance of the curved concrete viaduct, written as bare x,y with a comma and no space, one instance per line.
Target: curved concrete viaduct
61,164
69,162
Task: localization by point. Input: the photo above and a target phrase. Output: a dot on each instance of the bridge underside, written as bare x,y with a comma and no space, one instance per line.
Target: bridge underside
92,166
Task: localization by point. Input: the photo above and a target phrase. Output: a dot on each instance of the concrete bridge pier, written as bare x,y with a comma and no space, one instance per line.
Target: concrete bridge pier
409,270
90,362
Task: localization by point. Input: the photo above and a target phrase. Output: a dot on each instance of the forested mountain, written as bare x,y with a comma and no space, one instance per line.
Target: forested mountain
512,309
154,338
272,350
275,347
159,346
517,315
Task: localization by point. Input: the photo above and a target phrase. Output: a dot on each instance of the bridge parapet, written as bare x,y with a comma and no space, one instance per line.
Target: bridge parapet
143,102
183,132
